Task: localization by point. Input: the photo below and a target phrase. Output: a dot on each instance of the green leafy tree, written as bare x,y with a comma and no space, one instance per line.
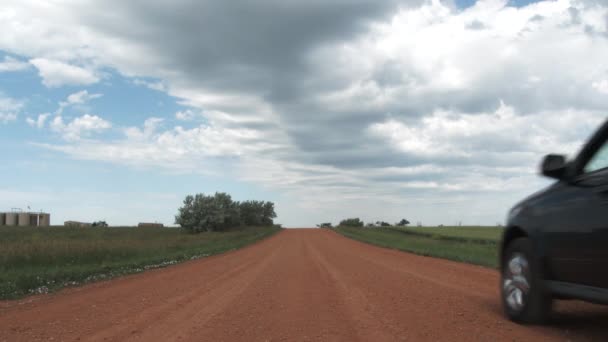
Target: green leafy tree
268,214
251,213
403,223
219,212
352,222
208,213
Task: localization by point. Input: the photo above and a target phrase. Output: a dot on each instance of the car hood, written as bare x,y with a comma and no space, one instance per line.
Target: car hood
535,196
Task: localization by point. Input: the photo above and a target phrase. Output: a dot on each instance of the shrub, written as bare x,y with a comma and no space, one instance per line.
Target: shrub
351,222
403,223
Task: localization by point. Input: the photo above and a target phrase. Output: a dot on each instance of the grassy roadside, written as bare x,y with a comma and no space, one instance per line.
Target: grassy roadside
38,260
473,246
479,234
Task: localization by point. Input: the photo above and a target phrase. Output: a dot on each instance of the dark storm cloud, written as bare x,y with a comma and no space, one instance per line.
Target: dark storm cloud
250,46
260,48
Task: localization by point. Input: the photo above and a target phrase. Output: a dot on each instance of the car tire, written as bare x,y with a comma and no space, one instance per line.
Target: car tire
523,293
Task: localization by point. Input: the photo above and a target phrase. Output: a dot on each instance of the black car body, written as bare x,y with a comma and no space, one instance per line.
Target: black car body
555,245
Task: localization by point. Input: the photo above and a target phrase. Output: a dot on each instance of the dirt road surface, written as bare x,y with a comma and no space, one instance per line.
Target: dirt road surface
299,285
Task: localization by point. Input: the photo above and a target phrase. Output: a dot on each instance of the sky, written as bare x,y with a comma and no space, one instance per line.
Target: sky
437,111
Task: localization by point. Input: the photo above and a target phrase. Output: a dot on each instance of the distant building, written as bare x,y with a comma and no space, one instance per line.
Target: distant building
76,224
25,219
150,225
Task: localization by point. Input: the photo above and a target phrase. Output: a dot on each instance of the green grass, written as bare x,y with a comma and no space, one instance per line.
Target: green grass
34,260
470,245
465,233
477,233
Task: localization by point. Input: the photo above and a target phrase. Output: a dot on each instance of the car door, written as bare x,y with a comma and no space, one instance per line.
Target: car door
577,229
594,179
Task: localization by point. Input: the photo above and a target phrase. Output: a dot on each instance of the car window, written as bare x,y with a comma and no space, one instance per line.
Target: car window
599,160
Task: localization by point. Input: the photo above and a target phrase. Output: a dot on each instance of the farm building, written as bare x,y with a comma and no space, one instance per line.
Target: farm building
25,219
150,225
76,224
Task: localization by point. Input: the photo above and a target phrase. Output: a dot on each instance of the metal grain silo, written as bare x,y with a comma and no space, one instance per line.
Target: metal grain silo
44,220
11,219
24,219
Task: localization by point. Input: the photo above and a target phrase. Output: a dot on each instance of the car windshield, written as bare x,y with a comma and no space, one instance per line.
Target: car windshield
599,161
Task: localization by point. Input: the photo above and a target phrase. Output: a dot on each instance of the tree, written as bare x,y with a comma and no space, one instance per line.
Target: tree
403,223
219,212
268,213
251,213
324,225
383,224
208,213
351,222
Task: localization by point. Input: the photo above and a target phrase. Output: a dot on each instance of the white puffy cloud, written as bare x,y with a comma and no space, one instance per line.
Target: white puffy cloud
601,86
150,128
173,149
7,117
537,57
158,86
79,127
9,109
39,122
55,73
77,98
12,64
499,134
80,97
187,115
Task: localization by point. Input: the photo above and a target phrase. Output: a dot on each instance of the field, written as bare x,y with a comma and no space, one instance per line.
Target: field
43,259
467,233
476,245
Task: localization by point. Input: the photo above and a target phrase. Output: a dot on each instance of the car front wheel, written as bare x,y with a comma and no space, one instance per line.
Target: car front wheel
523,295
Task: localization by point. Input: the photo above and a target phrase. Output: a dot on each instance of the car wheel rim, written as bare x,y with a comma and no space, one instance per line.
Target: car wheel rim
515,282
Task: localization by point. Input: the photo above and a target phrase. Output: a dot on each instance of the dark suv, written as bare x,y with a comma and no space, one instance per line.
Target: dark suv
556,241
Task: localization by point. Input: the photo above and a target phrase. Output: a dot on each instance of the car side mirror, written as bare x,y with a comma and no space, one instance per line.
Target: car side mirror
554,166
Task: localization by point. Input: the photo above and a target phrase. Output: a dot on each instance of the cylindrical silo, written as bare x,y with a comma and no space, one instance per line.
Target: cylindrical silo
44,220
2,219
24,219
11,219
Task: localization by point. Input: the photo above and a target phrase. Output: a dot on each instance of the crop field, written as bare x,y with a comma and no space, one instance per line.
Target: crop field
37,260
476,245
467,233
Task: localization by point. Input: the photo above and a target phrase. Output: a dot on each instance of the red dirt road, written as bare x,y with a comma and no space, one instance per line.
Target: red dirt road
299,285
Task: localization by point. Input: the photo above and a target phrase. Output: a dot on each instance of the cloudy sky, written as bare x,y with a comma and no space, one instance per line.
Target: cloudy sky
436,111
